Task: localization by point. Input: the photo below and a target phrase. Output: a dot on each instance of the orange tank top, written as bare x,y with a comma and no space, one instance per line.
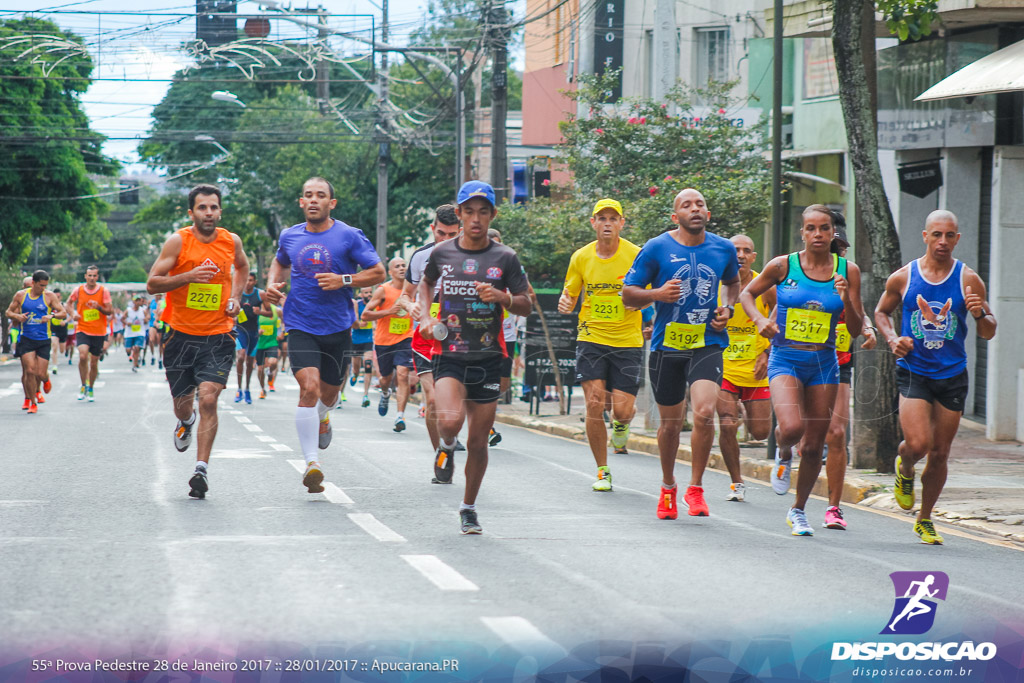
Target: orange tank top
198,307
394,328
91,321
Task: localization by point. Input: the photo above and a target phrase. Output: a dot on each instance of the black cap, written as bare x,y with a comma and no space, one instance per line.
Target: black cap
840,237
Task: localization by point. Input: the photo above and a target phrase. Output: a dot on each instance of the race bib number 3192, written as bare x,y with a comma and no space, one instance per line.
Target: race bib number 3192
684,336
203,296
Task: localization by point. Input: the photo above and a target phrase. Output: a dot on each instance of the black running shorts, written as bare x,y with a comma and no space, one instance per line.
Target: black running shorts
672,371
40,347
190,360
60,332
619,368
950,392
480,376
263,354
393,356
846,373
325,352
93,341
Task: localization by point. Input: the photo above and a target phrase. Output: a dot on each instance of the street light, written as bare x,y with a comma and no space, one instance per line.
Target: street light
209,138
225,96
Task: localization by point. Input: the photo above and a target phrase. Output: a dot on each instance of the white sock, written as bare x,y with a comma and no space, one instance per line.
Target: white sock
200,465
308,427
323,410
448,446
401,416
191,420
463,506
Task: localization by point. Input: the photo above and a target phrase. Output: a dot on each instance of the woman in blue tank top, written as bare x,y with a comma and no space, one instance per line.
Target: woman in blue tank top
813,287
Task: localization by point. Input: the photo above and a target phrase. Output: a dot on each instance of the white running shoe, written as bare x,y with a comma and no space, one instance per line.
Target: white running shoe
781,474
737,492
798,520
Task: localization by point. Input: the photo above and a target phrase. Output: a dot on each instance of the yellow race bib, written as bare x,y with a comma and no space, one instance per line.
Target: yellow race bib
843,339
435,308
399,325
203,296
741,347
805,325
266,330
608,308
242,317
90,314
136,328
684,336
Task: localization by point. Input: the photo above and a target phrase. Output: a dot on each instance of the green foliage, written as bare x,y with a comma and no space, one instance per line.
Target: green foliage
47,147
909,19
642,153
129,270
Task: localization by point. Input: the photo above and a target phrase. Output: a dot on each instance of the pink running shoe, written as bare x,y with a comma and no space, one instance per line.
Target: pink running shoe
834,518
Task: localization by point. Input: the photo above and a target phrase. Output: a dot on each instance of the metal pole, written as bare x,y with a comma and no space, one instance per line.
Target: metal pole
460,124
776,241
384,150
323,84
499,102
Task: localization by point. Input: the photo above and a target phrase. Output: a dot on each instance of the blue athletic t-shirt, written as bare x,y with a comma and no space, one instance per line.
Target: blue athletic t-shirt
339,249
701,269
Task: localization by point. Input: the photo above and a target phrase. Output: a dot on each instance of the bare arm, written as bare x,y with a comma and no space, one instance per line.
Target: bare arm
759,287
240,277
72,310
373,275
851,300
635,296
370,312
277,278
14,310
53,301
160,282
977,306
891,298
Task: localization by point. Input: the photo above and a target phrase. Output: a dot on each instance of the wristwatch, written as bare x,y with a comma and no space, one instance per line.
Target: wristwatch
346,279
732,310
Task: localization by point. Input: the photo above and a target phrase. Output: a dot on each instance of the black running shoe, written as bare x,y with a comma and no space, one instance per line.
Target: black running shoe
494,439
444,466
459,446
470,525
199,485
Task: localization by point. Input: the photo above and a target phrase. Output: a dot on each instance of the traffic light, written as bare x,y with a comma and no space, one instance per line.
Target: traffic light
213,29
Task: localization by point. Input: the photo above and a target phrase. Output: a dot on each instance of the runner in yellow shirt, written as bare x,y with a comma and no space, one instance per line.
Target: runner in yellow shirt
609,343
744,374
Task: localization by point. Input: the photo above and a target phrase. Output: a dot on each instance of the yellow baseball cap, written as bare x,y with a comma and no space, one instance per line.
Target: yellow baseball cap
607,204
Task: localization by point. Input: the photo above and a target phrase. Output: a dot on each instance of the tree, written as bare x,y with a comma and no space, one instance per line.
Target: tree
129,270
47,146
853,40
643,152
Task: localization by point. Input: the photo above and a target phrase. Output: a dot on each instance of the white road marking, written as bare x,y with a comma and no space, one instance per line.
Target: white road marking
516,630
376,528
280,447
239,455
15,385
439,574
265,438
4,393
253,428
336,495
242,419
156,385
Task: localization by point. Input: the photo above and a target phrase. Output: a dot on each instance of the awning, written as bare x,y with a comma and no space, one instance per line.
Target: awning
1001,71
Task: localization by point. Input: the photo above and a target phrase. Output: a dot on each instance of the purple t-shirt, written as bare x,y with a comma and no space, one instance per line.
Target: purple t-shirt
339,249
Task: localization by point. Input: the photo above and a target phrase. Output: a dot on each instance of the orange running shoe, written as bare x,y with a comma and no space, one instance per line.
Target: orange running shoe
39,397
667,503
47,385
26,404
694,499
270,383
33,409
263,394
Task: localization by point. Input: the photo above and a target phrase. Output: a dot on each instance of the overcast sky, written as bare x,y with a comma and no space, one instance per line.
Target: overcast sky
145,46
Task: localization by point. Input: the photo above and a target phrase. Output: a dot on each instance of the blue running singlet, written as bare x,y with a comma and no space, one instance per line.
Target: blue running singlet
808,310
935,317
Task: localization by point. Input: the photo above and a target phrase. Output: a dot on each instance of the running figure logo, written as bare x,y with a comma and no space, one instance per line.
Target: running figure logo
916,592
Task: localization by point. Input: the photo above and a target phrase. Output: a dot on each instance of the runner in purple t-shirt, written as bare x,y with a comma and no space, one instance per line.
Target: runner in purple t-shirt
322,256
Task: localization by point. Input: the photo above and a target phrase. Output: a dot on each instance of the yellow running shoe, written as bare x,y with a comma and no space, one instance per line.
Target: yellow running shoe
620,434
926,530
904,490
604,480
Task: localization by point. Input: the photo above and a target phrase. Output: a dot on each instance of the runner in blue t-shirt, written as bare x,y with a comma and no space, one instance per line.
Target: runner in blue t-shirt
684,268
362,346
322,256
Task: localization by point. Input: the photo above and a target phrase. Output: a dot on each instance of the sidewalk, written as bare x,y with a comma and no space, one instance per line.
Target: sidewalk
984,490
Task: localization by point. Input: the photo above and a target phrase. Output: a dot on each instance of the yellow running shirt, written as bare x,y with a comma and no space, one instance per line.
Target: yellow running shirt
745,344
603,318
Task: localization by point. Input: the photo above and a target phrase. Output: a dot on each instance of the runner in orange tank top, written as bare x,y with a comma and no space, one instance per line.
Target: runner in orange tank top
392,340
194,269
89,305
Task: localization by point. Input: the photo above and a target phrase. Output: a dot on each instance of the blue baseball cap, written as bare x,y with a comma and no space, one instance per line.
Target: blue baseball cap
475,188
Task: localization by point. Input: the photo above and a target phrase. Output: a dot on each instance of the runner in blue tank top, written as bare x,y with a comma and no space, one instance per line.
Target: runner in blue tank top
34,308
813,288
936,292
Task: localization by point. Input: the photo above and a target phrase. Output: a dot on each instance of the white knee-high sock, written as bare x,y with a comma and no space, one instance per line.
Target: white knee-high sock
308,427
323,410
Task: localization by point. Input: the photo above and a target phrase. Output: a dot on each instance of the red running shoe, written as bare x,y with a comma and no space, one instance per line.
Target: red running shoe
33,409
26,404
39,397
667,503
47,385
694,499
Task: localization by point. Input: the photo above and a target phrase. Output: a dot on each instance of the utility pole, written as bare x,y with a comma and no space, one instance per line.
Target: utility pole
498,18
776,229
666,61
323,83
384,142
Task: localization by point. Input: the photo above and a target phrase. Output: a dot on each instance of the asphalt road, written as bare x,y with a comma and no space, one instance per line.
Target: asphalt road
100,543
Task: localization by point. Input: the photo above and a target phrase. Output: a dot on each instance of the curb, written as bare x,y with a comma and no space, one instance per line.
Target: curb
854,490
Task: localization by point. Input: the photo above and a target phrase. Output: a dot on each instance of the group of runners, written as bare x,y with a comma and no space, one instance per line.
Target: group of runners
736,343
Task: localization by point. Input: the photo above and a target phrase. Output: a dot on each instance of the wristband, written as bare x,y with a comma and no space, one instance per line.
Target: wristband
979,317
